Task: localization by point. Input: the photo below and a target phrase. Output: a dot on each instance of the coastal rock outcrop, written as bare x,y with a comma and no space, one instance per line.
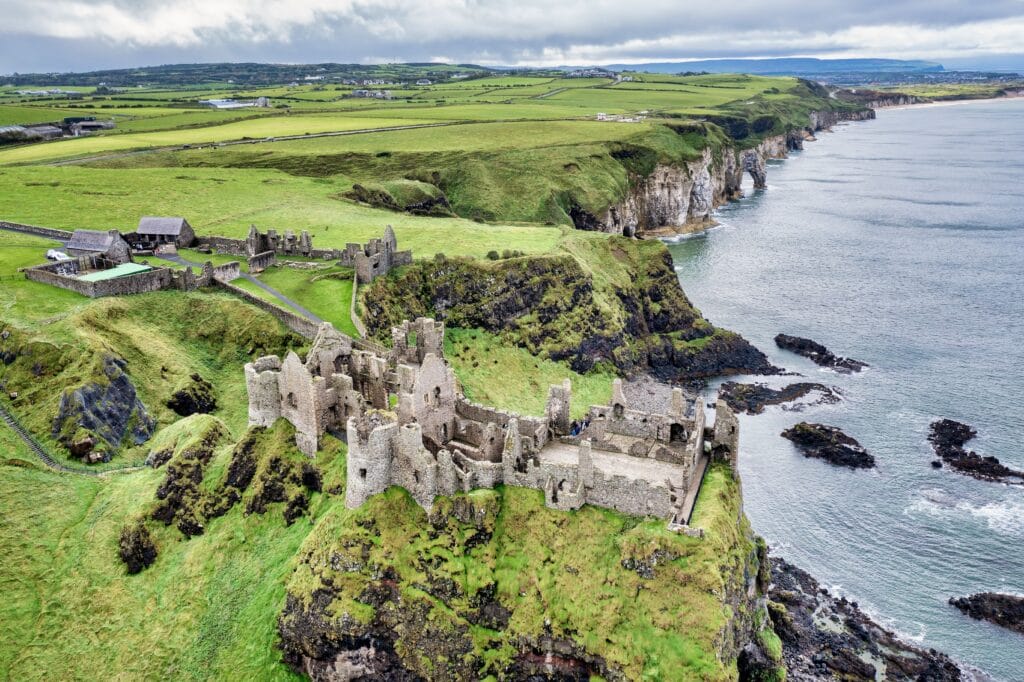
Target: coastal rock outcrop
948,438
677,197
753,398
1005,610
829,638
634,317
108,409
830,444
818,354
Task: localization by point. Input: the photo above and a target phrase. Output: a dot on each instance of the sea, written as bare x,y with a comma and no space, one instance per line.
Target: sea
898,242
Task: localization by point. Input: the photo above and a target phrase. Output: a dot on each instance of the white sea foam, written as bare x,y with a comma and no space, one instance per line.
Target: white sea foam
1005,517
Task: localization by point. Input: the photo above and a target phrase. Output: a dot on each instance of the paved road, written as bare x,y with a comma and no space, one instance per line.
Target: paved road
245,275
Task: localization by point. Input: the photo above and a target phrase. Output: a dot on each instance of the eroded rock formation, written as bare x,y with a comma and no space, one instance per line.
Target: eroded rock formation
1005,610
830,638
830,444
753,398
948,438
818,354
109,410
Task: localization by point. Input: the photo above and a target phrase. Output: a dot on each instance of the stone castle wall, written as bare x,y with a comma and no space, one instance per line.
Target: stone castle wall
408,424
293,321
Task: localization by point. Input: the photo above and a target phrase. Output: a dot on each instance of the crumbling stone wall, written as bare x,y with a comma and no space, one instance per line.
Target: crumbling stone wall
435,442
376,258
297,323
262,261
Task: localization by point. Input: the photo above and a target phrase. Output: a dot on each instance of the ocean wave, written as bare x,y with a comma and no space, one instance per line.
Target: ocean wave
1005,517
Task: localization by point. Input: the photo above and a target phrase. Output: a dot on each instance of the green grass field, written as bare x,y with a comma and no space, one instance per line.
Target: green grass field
250,128
207,609
227,201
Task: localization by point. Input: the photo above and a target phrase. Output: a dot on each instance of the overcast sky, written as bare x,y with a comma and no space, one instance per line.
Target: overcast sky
78,35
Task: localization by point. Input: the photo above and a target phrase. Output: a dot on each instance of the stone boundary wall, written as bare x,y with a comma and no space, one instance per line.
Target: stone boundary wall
240,247
47,232
262,261
232,247
297,323
144,282
226,272
356,320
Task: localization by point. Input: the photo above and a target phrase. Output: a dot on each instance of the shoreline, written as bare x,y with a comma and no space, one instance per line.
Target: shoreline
879,621
950,102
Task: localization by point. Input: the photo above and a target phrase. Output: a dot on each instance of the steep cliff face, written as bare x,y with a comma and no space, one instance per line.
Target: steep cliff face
675,195
607,301
493,585
679,197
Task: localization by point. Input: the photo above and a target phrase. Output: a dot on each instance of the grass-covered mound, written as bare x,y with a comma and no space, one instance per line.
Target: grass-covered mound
488,583
206,608
507,376
597,303
109,369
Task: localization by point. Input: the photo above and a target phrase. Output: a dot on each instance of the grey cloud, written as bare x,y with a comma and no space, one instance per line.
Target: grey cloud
85,34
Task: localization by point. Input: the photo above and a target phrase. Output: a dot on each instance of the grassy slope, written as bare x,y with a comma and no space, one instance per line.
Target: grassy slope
496,373
227,201
557,572
206,609
325,293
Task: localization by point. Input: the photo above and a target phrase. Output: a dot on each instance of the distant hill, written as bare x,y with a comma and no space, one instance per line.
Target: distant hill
787,66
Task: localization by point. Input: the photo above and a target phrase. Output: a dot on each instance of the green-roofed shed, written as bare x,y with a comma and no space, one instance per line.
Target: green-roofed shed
123,270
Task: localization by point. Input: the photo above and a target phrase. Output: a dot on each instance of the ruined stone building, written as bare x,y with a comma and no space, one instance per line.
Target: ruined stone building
375,258
371,260
408,424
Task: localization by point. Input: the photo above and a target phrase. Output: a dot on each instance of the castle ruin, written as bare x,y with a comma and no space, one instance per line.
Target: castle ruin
408,424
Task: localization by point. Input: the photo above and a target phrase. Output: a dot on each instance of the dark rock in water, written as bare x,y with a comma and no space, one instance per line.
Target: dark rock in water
137,550
829,638
108,409
196,397
1006,610
948,437
818,354
753,398
829,443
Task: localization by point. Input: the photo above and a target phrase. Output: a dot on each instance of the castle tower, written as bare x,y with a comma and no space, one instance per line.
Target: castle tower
618,399
557,412
264,395
371,450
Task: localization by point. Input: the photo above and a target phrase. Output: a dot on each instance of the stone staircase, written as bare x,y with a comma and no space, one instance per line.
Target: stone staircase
45,457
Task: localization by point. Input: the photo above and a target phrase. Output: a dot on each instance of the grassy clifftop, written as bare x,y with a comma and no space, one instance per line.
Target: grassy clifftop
597,302
489,583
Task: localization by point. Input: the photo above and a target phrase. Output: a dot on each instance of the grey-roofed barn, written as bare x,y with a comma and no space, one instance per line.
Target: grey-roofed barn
97,242
156,231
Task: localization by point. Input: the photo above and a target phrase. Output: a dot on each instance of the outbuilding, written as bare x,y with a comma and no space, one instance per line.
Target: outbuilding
108,244
153,232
